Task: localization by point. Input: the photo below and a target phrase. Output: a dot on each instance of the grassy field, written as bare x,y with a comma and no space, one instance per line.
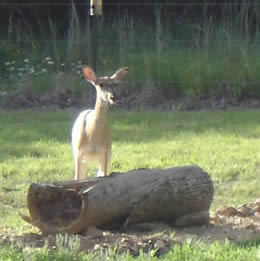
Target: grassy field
193,252
35,147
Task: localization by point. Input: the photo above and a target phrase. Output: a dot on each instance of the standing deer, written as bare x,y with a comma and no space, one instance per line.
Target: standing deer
91,135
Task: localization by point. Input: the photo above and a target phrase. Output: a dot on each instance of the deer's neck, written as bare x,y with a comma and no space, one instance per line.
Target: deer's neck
101,111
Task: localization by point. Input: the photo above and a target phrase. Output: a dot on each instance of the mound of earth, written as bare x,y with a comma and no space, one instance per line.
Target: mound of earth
236,224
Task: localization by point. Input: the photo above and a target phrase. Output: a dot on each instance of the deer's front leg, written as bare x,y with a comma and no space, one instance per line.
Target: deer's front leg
104,164
80,167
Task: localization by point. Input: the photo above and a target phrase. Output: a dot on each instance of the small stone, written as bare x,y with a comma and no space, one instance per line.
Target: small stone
97,246
123,240
159,244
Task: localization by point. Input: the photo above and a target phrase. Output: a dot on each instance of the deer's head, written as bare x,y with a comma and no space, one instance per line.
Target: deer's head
105,86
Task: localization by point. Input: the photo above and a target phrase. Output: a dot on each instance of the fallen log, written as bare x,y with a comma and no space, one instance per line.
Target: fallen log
179,196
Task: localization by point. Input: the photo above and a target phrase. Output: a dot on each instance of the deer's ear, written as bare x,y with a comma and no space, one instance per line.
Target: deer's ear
120,74
89,74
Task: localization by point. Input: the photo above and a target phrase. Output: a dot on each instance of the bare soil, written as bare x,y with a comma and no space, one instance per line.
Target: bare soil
235,224
129,98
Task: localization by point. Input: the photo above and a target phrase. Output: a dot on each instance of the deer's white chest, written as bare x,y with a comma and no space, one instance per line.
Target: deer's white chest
90,136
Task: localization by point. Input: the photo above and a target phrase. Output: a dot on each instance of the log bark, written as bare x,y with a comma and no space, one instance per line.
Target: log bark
178,196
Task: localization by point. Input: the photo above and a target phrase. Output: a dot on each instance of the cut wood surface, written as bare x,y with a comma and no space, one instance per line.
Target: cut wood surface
179,196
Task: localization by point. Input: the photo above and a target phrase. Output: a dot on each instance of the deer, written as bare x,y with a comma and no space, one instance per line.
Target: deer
91,134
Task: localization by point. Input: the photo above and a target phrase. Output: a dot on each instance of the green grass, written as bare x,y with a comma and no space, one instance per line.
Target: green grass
35,147
185,71
196,251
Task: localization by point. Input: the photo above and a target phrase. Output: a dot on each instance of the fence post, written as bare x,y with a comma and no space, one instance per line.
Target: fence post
96,10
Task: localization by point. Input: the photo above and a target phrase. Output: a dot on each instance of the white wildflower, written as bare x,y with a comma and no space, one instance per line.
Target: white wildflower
3,93
31,70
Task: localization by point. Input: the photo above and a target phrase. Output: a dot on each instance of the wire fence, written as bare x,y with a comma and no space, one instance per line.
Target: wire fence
221,4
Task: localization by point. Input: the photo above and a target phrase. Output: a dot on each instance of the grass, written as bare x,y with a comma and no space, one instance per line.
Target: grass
197,251
35,147
185,71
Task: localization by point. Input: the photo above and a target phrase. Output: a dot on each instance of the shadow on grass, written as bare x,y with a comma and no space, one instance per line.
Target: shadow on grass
33,133
148,126
21,131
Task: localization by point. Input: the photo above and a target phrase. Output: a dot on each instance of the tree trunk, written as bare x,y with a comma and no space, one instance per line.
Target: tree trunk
179,196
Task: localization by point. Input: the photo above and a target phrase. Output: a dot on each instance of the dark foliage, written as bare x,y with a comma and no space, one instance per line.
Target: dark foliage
28,11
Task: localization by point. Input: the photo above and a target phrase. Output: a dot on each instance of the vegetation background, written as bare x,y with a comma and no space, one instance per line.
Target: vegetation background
186,48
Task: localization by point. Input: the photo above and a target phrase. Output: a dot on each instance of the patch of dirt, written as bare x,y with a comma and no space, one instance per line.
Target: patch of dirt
149,97
236,224
61,98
